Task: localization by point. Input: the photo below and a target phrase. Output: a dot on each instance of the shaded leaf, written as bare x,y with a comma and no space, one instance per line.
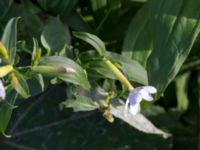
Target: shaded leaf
55,35
58,7
81,103
4,5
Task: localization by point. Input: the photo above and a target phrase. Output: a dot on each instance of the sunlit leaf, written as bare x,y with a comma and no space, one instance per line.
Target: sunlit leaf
181,91
20,85
78,76
9,37
93,40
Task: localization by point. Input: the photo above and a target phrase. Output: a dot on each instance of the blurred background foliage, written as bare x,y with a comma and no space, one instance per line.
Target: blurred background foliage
38,122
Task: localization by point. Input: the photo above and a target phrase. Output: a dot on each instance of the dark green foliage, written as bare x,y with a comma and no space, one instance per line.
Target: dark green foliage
57,49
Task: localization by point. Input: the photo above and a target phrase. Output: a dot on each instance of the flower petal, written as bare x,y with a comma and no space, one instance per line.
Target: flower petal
145,95
135,109
135,97
150,89
2,91
126,107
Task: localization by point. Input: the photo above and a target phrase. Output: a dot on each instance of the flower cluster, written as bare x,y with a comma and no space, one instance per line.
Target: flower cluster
136,96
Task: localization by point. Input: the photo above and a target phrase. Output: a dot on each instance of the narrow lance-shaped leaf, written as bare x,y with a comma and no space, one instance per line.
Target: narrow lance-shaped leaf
92,40
20,85
35,52
65,69
6,108
9,37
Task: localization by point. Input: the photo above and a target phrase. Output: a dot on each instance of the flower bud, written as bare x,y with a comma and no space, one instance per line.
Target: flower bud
5,70
3,50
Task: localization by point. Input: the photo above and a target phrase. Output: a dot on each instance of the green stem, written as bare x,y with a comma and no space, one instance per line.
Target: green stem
118,74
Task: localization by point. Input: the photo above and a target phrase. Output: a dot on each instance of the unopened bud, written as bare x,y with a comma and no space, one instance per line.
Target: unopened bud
3,50
5,70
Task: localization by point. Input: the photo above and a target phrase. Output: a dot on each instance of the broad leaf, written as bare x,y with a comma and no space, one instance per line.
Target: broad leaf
167,31
180,25
138,40
93,40
138,121
81,103
55,35
9,37
77,77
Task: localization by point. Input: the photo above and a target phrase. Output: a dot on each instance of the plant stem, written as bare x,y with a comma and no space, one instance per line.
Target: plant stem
118,74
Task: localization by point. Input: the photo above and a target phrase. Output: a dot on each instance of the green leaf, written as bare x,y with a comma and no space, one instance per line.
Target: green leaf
4,5
93,40
77,22
78,77
139,121
180,26
181,91
36,84
36,54
81,103
9,37
162,42
132,69
58,7
55,35
20,85
138,40
6,108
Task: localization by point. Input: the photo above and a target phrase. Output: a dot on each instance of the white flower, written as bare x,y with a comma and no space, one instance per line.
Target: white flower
2,91
136,96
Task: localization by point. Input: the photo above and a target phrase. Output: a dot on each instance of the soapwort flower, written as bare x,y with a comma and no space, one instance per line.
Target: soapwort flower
136,96
2,91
